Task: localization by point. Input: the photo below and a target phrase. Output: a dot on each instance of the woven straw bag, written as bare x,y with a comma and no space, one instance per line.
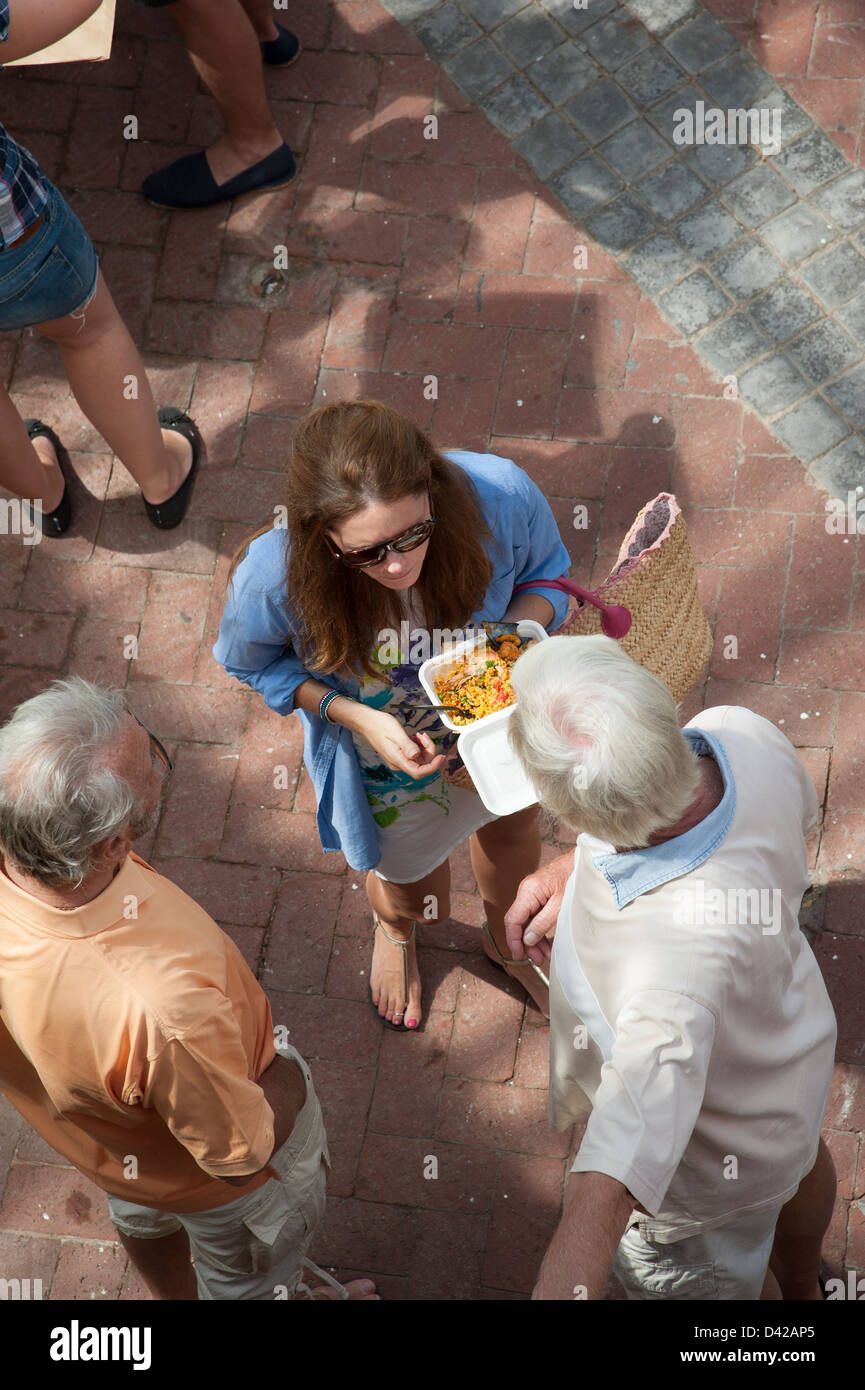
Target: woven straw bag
650,601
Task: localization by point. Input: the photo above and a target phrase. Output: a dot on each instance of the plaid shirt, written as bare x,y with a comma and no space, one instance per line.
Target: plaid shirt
23,192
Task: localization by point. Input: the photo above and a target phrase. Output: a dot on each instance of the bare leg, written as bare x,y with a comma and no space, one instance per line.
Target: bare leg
771,1290
224,48
164,1265
261,18
103,367
804,1220
503,853
28,468
399,906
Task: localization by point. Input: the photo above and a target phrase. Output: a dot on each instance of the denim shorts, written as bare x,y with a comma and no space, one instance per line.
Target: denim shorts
50,275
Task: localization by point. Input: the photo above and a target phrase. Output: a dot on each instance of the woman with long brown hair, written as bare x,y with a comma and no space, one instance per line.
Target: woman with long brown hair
382,545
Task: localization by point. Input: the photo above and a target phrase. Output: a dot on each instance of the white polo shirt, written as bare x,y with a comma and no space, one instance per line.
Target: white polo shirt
688,1011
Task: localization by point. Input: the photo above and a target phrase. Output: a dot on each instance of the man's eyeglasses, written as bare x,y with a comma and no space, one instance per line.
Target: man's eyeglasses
155,743
374,554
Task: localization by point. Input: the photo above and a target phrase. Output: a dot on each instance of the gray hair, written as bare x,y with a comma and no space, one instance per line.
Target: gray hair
58,799
599,737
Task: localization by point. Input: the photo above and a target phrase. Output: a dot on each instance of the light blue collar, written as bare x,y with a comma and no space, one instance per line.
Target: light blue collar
640,870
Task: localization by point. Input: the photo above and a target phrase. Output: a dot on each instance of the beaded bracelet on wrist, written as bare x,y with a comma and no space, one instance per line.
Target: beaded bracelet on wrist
325,703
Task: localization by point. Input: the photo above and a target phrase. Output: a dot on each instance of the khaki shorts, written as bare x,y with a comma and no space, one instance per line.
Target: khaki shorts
254,1247
725,1262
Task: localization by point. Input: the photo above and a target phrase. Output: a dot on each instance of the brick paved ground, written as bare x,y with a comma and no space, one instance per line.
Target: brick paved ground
407,257
749,252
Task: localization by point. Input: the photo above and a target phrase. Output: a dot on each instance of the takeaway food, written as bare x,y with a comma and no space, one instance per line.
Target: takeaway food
480,682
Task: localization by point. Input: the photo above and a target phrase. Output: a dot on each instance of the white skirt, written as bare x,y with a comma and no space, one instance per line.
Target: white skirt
424,834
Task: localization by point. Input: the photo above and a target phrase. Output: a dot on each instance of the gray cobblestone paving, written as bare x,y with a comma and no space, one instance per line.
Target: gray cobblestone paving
753,251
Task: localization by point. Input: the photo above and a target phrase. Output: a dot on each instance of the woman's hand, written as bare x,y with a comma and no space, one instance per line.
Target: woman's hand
401,751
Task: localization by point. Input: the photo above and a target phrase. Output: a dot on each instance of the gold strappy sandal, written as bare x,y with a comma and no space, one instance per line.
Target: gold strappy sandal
395,941
517,970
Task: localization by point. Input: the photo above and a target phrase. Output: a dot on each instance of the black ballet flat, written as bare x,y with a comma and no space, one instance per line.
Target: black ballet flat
56,522
171,512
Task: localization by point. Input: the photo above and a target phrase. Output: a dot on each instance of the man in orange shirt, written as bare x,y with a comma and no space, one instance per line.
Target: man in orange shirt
133,1036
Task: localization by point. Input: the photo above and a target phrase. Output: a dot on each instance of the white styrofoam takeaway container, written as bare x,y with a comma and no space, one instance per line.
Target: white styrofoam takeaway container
501,783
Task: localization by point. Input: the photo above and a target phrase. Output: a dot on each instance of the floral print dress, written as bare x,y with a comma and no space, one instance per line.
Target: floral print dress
419,822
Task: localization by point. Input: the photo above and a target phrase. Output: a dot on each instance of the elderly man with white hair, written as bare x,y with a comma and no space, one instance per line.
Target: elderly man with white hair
689,1018
133,1035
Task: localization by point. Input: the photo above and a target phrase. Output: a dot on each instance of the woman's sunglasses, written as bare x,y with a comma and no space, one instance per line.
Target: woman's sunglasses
374,554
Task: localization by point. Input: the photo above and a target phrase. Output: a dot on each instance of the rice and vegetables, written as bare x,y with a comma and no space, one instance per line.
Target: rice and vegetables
480,683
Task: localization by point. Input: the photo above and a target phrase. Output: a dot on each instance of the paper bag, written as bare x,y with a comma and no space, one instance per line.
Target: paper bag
89,42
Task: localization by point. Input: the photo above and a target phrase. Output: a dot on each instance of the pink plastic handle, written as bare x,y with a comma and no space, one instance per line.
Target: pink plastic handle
615,620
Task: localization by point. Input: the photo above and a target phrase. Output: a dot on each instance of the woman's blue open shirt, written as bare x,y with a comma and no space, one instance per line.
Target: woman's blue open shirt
255,642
